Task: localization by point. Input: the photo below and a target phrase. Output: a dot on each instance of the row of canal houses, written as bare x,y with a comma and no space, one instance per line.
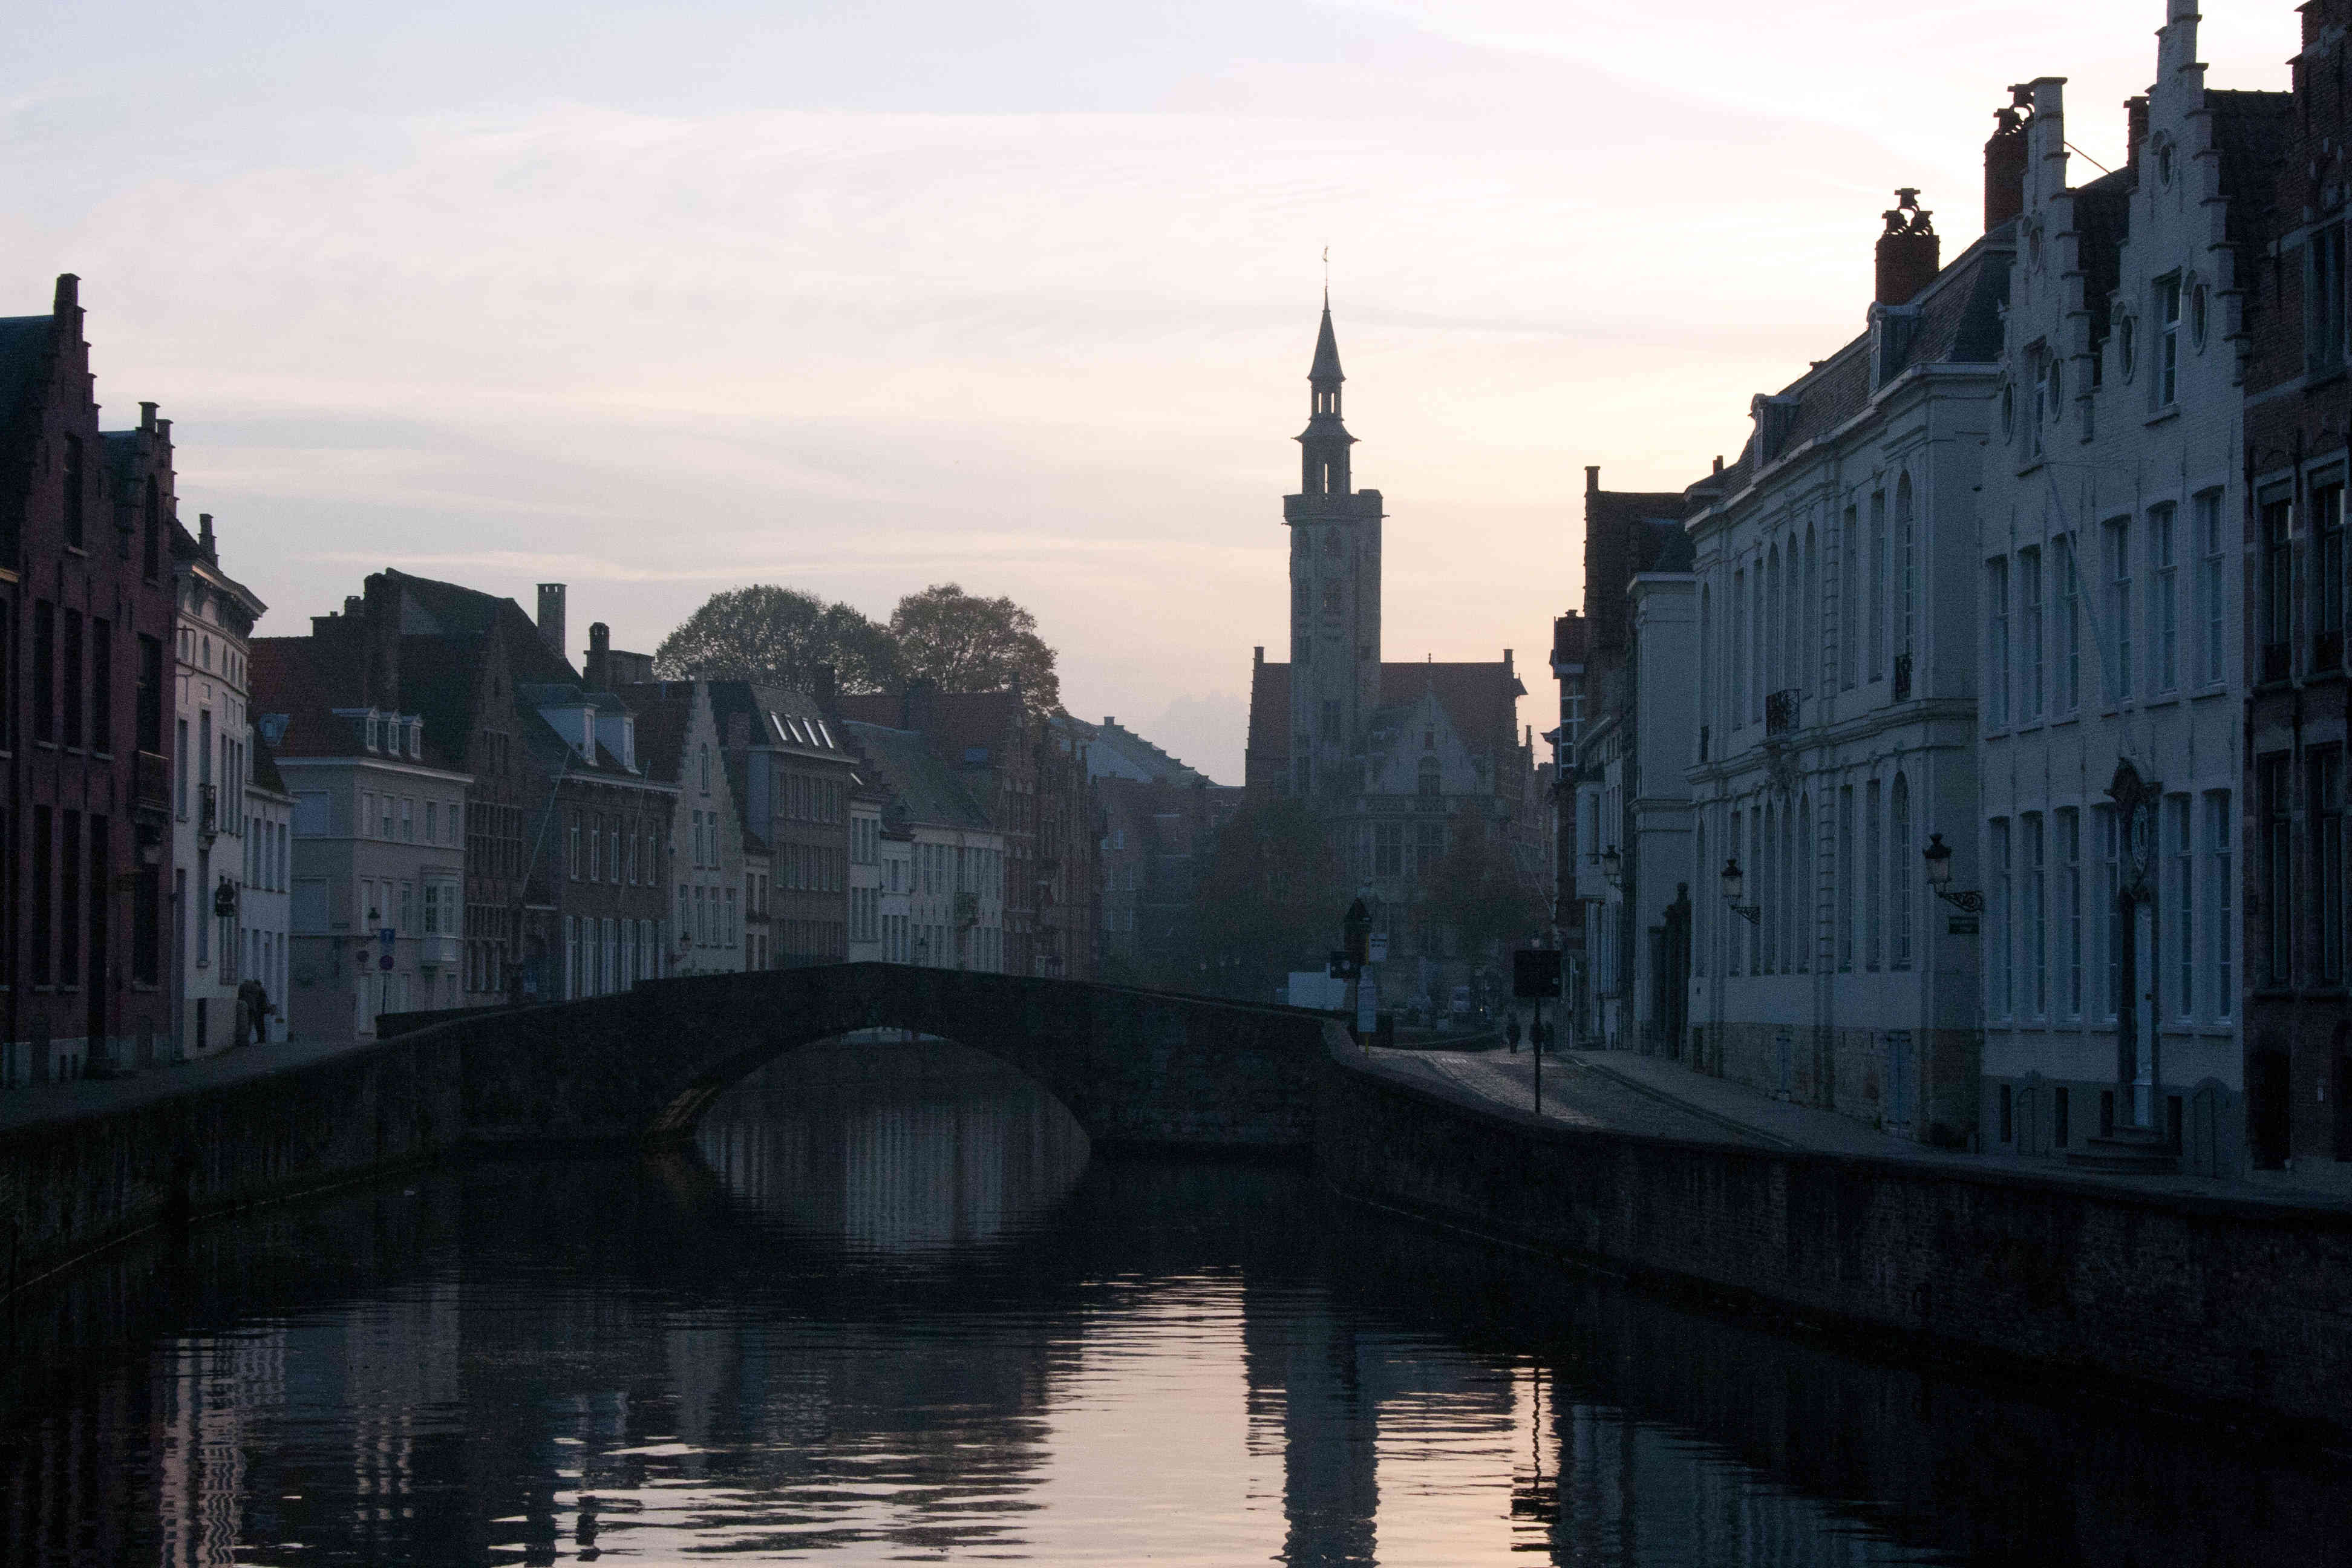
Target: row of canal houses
1968,756
210,837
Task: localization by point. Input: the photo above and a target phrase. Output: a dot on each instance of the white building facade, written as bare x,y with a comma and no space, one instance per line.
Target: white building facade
868,934
215,936
2112,644
1836,721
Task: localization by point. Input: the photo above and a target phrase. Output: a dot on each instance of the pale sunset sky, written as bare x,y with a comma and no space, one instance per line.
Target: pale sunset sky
658,301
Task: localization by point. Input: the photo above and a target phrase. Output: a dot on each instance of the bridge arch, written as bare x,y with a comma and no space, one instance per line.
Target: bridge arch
1135,1067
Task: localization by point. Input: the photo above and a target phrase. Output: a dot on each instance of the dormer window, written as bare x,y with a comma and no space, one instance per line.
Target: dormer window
375,733
417,738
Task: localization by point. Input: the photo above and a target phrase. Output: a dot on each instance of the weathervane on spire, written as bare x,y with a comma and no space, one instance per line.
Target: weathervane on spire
1327,274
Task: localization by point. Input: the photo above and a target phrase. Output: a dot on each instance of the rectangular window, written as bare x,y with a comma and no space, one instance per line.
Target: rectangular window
2328,858
45,672
2323,311
101,687
2119,611
2167,340
2028,572
1330,718
2070,624
2037,933
1872,877
2220,934
1996,681
2278,585
1848,880
2278,869
2000,982
2210,569
2327,577
575,856
2163,601
72,658
2070,909
77,487
1850,600
1899,862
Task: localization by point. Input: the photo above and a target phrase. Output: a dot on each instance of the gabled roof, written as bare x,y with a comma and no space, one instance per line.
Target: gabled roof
1118,742
1958,322
921,785
777,716
430,608
662,726
1480,701
306,679
966,729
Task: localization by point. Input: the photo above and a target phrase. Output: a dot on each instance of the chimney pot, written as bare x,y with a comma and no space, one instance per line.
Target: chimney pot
2004,159
68,295
351,605
205,533
1908,250
600,637
147,416
1592,479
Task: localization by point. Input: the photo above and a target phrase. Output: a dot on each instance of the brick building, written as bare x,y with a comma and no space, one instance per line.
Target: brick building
2298,1014
86,620
793,777
1029,780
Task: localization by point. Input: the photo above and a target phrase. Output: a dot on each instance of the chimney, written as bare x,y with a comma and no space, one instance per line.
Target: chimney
916,706
147,418
1908,251
2135,129
380,675
203,528
600,653
1592,478
1719,462
823,685
551,618
68,295
2004,195
351,605
1257,654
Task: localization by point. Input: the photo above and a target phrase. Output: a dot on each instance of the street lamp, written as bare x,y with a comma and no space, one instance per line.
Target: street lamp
1734,883
1940,877
1612,867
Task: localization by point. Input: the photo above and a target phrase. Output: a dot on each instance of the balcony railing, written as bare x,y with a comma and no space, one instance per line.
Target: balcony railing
1902,677
1780,710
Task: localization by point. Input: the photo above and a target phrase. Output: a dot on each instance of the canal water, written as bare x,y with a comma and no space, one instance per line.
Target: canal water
889,1310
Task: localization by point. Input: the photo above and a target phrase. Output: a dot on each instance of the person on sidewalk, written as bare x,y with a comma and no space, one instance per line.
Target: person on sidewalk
1511,1033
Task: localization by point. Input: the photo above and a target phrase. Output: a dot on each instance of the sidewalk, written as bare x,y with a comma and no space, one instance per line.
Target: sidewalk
70,1101
1653,1097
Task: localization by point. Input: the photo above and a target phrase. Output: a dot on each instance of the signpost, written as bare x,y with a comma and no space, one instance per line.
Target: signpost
1534,977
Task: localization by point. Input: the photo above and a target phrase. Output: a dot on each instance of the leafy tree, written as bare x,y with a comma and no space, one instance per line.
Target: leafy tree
779,636
1270,900
965,643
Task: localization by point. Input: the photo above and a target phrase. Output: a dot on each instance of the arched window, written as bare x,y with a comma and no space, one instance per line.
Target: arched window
1738,650
1804,663
1900,850
706,768
1774,676
1849,630
1428,785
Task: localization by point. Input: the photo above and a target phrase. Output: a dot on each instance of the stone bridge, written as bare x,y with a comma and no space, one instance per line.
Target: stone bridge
1135,1067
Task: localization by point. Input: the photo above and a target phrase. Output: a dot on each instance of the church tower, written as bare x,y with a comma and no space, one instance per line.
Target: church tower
1335,594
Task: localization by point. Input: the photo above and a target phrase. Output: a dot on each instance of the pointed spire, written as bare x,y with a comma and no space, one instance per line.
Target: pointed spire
1326,349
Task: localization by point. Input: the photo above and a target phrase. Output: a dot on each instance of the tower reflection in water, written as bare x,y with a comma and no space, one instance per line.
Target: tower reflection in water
892,1311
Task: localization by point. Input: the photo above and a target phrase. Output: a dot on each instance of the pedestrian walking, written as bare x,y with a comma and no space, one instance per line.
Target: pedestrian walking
1511,1033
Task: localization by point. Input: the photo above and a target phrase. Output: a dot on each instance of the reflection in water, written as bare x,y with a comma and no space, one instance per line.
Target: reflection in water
893,1146
896,1315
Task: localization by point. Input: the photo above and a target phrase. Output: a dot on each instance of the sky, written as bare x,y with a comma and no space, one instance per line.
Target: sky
661,301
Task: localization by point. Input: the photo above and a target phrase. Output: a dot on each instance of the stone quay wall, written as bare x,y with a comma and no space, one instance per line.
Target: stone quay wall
72,1185
2188,1301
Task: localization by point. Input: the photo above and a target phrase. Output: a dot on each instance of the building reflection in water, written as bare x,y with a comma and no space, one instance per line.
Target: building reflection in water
893,1146
895,1314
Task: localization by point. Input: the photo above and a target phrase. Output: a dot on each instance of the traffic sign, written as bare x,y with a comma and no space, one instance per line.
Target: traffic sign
1535,974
